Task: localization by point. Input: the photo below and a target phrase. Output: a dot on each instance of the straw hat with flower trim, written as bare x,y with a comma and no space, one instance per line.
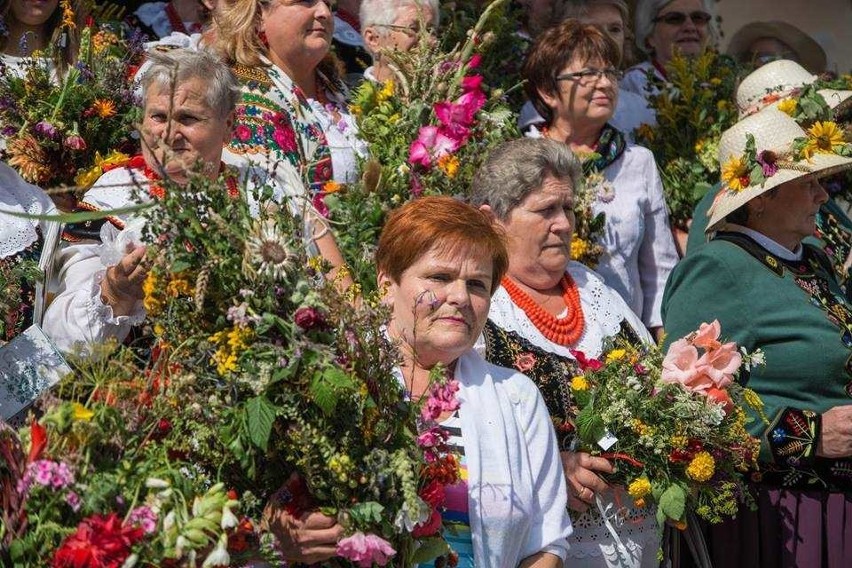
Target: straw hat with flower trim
766,149
780,81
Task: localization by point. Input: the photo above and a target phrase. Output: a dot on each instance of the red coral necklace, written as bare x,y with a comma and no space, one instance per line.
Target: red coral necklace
563,331
156,190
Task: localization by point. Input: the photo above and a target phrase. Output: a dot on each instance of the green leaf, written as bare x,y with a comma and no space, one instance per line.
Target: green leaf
700,190
260,416
429,549
367,512
673,502
323,395
590,426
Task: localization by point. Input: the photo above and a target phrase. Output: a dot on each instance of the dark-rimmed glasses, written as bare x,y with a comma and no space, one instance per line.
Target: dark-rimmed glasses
698,18
587,76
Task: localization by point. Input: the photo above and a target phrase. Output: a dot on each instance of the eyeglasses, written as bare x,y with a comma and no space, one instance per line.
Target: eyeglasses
587,76
764,58
698,18
410,31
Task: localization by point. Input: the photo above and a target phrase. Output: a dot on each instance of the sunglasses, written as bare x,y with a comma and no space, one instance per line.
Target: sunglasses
698,18
587,76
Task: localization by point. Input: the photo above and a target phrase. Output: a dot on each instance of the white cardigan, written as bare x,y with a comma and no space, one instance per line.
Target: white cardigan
516,487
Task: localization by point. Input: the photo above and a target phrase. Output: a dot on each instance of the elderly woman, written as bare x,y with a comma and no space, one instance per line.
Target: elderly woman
394,25
36,27
758,43
631,110
546,308
572,80
439,262
292,118
24,242
771,292
663,28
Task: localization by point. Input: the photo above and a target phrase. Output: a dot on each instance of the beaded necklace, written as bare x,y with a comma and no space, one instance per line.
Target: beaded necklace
562,331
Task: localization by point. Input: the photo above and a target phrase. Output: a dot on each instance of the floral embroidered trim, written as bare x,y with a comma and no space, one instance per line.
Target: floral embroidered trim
792,437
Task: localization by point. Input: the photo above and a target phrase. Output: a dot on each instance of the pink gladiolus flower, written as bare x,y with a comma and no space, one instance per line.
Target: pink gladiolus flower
365,550
707,336
679,364
431,144
432,437
474,61
719,365
471,83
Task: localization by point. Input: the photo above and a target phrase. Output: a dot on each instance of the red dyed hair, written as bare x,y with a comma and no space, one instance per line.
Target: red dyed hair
441,223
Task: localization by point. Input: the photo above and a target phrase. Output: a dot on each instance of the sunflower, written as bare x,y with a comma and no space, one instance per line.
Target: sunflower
735,174
823,137
104,108
267,252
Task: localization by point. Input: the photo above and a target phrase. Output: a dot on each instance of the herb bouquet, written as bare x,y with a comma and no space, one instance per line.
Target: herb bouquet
58,131
429,129
674,426
693,107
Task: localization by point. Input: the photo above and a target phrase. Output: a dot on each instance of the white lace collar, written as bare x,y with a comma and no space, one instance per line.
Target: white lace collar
773,247
17,196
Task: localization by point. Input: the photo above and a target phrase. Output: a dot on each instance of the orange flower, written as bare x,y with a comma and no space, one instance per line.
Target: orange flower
104,108
331,186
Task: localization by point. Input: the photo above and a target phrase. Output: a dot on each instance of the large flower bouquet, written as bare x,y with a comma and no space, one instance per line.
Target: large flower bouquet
59,130
428,129
266,388
674,426
693,107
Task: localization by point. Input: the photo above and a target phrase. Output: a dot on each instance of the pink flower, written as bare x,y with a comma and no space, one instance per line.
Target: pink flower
431,144
474,61
472,82
285,138
365,550
707,336
243,133
719,365
432,437
524,362
679,365
73,501
585,363
442,398
75,142
143,517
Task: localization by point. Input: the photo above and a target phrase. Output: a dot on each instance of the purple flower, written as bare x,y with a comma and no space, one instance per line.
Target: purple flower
46,130
143,517
73,501
62,476
767,160
9,131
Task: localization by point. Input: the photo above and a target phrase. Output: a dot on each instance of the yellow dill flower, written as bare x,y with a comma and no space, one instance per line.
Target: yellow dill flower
103,40
67,15
639,488
151,302
87,178
579,248
641,428
579,383
449,164
82,413
734,174
615,355
104,108
822,138
386,92
702,467
679,441
788,106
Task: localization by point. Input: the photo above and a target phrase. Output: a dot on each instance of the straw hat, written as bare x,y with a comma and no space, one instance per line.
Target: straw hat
807,50
777,81
774,134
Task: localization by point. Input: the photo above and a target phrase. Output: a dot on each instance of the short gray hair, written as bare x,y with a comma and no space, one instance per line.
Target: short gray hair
518,168
580,8
377,13
647,10
176,66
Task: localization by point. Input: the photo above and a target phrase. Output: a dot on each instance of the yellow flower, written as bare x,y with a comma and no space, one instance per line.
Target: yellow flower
753,399
639,488
579,383
449,164
159,330
386,92
788,106
734,174
68,15
822,138
615,355
722,105
82,413
679,441
641,428
104,108
699,145
355,110
715,81
579,248
87,178
702,467
225,361
179,286
151,302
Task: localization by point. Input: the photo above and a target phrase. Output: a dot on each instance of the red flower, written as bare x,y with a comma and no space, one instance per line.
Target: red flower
38,441
429,527
586,364
100,542
433,494
308,318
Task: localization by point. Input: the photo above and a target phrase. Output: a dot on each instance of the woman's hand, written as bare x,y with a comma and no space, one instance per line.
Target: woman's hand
583,482
122,286
836,438
310,538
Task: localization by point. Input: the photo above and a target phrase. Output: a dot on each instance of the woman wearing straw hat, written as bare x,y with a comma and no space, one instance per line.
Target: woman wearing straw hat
772,292
758,43
788,86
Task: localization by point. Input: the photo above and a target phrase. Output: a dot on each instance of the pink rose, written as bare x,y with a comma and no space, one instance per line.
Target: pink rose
365,549
679,365
707,336
720,364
